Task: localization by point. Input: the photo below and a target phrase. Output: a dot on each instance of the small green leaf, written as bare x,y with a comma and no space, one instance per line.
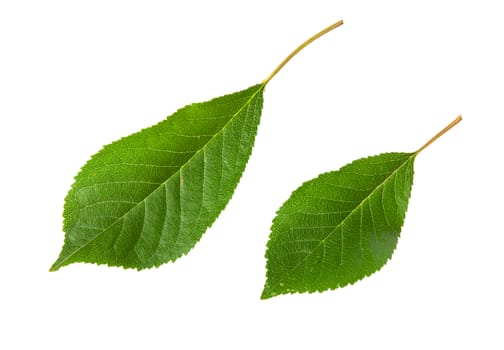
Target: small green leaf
147,199
341,226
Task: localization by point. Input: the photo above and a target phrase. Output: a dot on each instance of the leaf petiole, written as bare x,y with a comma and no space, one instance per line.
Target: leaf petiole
301,47
439,134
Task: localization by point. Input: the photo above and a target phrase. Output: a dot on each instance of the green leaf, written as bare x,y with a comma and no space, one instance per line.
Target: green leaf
146,199
341,226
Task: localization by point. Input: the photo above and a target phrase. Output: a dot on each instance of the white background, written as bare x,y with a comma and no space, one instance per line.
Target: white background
77,75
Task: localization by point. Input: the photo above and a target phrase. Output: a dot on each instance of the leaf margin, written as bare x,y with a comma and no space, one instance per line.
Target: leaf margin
61,262
269,291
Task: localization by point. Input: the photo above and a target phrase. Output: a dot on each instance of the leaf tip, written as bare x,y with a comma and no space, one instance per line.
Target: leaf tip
59,263
265,294
269,291
55,267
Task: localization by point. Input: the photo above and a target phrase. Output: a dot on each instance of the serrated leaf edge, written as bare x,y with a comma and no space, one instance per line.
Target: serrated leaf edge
61,262
265,296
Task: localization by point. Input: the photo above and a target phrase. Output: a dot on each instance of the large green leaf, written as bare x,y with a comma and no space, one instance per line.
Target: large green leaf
146,199
339,227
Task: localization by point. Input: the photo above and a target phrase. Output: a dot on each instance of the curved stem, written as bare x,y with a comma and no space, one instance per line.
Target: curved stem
302,46
439,134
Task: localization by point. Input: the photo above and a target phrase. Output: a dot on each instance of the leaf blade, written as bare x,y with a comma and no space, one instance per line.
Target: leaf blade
146,199
329,232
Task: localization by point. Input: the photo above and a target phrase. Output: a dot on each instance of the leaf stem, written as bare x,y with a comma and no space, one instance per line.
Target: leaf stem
302,46
439,134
